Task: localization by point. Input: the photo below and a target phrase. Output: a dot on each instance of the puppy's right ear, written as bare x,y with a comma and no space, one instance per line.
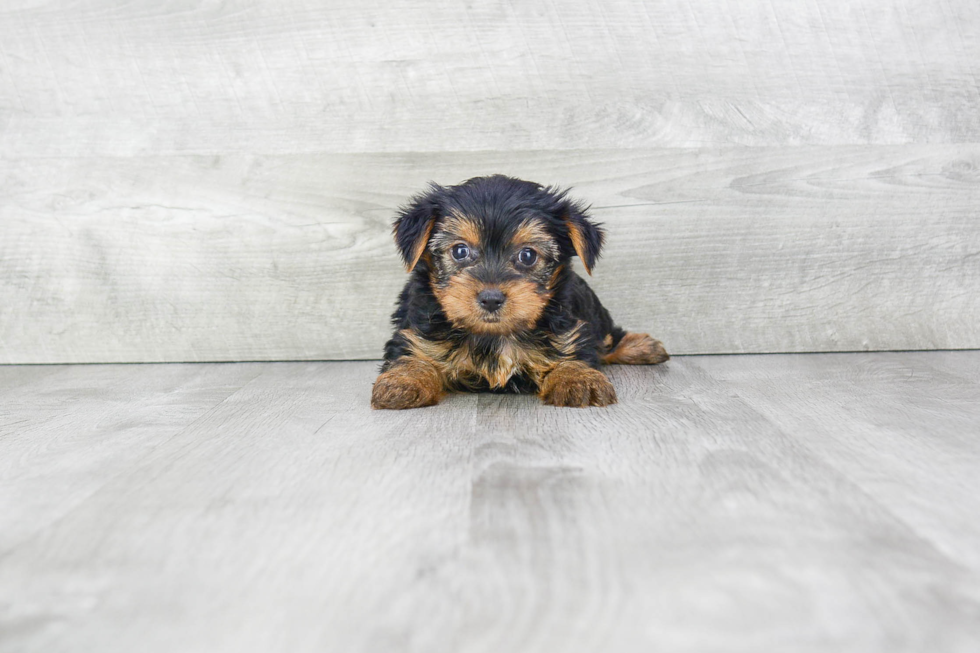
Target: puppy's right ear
414,225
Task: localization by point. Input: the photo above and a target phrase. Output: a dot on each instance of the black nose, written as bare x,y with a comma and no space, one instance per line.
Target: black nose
490,300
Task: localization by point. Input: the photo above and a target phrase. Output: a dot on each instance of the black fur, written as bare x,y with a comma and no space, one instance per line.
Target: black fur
413,221
501,203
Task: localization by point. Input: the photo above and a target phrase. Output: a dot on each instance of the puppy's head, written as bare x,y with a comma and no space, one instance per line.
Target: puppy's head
494,249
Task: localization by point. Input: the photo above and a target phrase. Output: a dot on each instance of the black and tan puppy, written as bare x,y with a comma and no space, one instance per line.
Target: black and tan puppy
492,303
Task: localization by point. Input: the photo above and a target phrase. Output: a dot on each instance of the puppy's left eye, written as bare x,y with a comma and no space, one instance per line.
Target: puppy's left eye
527,256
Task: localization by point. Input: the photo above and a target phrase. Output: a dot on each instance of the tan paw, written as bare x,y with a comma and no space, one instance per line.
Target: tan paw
578,385
407,385
637,349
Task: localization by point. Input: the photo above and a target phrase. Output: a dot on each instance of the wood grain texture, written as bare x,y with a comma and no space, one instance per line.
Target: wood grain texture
896,400
148,78
803,502
106,418
253,257
199,181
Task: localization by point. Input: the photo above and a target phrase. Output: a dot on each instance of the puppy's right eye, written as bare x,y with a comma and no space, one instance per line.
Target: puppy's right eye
460,251
527,256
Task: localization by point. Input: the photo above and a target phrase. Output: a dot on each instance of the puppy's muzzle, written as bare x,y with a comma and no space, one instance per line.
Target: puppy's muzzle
491,300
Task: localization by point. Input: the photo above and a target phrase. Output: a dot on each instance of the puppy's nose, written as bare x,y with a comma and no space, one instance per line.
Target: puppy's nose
490,300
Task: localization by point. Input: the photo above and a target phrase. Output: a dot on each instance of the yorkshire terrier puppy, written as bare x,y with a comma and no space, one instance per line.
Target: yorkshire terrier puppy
492,304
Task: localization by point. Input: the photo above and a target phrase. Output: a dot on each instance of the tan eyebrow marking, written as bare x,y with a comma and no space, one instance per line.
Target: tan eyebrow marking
463,227
531,231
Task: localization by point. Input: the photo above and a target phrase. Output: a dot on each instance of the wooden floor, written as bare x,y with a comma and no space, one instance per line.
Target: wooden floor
737,503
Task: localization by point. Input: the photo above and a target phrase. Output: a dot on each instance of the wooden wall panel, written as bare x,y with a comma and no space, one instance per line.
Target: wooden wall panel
282,257
214,181
109,78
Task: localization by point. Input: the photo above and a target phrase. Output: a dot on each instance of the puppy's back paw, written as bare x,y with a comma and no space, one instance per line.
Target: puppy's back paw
637,349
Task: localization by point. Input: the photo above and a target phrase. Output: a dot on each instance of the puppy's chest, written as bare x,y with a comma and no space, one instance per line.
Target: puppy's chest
502,365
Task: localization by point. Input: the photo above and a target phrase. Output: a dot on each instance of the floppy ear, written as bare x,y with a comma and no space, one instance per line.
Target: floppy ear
414,225
586,237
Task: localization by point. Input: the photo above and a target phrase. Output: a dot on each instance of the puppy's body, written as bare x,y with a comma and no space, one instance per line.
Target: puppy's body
493,305
573,325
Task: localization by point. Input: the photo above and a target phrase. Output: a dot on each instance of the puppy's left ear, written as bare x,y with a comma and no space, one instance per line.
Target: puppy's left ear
414,223
586,237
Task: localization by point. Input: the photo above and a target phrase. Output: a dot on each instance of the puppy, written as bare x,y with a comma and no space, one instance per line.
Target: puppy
492,304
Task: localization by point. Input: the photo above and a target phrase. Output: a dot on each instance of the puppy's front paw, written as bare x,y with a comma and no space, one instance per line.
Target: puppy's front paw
406,385
637,349
578,385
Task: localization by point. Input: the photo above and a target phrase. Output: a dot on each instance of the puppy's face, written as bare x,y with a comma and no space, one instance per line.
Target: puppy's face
493,249
493,280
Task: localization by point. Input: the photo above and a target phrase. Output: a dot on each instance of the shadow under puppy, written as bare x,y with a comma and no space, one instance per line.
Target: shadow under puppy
492,303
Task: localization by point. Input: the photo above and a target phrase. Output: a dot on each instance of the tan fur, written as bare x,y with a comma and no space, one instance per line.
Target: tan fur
523,306
578,242
458,299
530,232
637,349
565,342
420,246
409,383
464,228
521,309
434,352
554,277
575,384
458,365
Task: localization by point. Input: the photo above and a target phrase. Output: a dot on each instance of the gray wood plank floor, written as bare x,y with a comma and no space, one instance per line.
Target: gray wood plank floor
821,502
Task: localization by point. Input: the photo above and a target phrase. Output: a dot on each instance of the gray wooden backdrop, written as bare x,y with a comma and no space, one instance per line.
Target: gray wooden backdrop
184,181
